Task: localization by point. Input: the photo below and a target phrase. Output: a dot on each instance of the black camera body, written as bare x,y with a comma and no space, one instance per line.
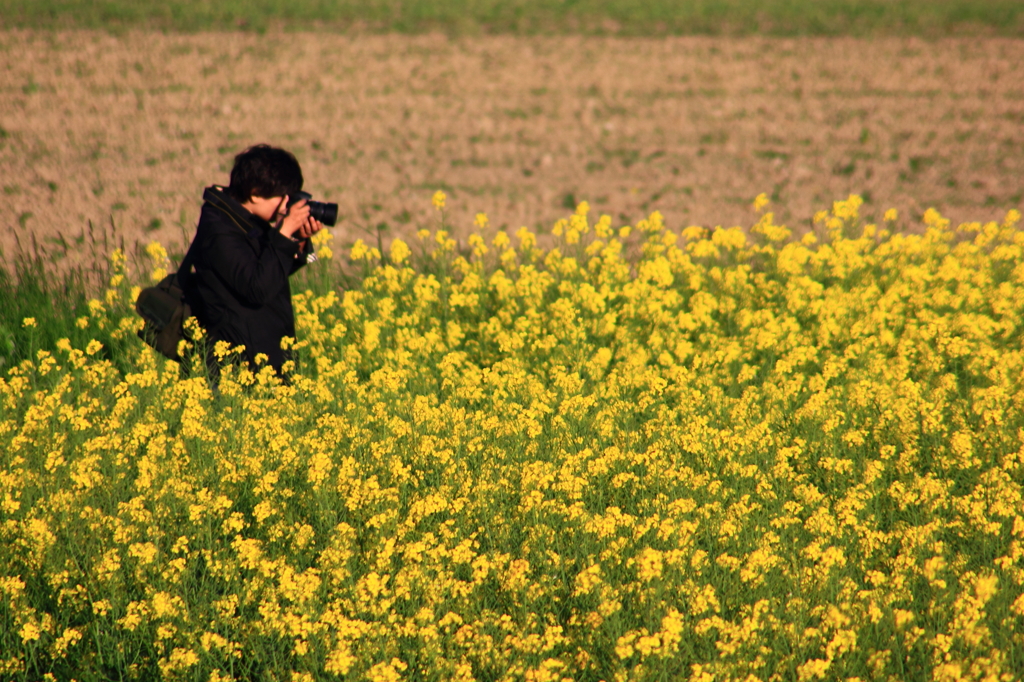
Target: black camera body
324,212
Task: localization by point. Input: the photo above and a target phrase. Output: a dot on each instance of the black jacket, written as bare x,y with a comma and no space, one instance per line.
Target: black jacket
239,291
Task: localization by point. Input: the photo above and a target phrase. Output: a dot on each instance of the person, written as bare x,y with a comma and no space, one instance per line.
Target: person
247,244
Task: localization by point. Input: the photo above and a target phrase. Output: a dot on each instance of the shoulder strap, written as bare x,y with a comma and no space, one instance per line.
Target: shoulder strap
184,270
226,210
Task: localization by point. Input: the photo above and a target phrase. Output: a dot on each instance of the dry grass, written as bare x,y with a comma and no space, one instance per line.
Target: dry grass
130,128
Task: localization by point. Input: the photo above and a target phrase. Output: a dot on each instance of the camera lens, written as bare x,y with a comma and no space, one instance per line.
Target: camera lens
324,212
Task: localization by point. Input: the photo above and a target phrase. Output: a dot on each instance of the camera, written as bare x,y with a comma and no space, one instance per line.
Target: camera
322,211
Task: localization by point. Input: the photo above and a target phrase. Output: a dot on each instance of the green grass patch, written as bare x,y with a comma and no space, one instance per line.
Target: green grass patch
626,17
44,297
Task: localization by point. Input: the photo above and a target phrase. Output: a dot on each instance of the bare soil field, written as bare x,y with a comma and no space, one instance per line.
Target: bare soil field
128,129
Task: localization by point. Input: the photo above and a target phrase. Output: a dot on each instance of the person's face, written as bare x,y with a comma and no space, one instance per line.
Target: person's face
268,208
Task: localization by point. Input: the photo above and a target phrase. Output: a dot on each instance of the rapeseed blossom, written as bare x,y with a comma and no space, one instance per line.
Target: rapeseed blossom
628,453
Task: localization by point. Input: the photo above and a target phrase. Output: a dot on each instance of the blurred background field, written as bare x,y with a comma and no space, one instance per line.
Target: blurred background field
628,17
126,130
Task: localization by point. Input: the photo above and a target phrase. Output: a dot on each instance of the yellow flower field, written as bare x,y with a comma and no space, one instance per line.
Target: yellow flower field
640,454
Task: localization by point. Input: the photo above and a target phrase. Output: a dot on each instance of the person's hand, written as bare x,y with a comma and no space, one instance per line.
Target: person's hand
308,229
296,219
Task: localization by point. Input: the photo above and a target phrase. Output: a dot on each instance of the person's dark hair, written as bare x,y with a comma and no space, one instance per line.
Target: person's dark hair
264,171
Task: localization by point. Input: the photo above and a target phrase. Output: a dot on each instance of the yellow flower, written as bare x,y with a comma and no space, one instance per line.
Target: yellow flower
118,258
145,552
28,322
180,659
387,672
650,564
400,251
902,617
438,200
322,238
587,580
221,349
986,587
527,239
68,639
156,251
30,631
340,661
624,645
476,242
480,220
816,668
359,250
760,201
